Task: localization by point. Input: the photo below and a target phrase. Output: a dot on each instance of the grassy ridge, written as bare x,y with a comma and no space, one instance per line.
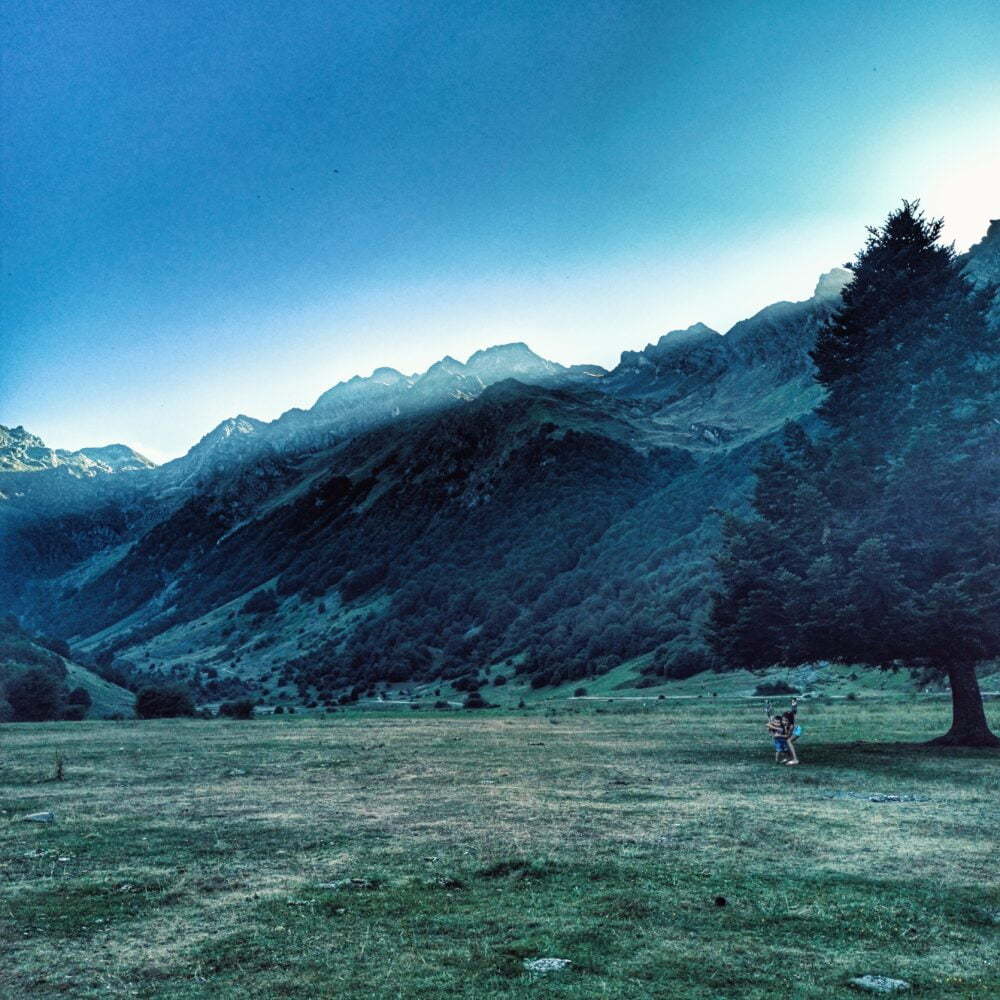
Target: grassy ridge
210,859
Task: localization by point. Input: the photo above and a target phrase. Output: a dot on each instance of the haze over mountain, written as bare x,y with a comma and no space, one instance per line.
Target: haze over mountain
502,514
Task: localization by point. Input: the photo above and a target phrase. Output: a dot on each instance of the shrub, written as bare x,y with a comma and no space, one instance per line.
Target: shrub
580,692
774,688
280,710
242,708
163,702
74,713
264,602
499,680
475,700
681,659
362,581
80,696
35,696
58,646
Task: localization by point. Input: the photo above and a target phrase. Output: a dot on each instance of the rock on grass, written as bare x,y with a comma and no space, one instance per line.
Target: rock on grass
880,984
547,964
42,817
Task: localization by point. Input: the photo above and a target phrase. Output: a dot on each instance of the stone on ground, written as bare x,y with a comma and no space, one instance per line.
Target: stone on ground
43,817
880,984
546,964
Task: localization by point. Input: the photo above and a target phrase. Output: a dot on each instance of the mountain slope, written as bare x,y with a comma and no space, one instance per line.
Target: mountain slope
362,403
20,653
436,525
425,551
713,390
447,524
21,451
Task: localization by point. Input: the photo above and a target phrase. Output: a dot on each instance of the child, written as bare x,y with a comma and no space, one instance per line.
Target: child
788,733
776,727
782,730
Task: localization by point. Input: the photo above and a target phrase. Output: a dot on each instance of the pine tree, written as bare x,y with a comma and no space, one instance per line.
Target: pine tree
879,541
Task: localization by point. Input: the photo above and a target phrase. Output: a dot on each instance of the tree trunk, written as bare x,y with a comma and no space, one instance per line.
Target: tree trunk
969,727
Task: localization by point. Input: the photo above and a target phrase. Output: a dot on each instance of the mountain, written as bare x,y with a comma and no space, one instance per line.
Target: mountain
21,652
506,514
235,439
558,521
982,265
21,451
982,261
360,403
712,390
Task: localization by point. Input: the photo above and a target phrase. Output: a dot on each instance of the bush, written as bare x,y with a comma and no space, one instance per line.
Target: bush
363,581
74,713
264,602
475,700
774,688
163,702
58,646
680,659
242,708
499,680
35,696
580,692
80,696
280,710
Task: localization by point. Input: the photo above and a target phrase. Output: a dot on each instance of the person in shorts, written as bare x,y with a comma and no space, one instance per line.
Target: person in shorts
776,729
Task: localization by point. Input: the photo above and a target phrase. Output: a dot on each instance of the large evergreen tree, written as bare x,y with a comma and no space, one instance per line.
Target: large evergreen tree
879,541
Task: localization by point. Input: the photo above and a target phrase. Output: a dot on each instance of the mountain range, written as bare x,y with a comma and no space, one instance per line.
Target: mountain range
505,515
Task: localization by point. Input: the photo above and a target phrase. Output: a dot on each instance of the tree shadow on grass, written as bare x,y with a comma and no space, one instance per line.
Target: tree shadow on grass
898,760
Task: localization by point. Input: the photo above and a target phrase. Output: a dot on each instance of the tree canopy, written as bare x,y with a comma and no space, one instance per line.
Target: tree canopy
876,539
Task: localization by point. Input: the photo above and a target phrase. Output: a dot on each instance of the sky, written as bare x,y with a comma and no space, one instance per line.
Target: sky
212,207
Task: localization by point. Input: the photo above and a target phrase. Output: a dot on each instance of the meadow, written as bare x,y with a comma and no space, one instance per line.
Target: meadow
427,854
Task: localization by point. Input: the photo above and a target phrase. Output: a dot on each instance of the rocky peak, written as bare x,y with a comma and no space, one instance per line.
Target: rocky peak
445,367
241,424
832,283
387,376
21,451
982,262
515,360
117,458
697,333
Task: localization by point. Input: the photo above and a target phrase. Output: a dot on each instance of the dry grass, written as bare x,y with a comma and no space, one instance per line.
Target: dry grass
187,857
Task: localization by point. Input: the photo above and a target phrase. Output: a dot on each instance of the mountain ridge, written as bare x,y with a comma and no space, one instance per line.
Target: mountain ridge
554,522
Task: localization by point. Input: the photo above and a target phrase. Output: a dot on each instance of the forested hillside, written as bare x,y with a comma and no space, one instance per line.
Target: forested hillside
39,681
502,515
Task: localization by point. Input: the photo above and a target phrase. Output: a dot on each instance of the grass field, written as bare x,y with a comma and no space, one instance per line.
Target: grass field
215,859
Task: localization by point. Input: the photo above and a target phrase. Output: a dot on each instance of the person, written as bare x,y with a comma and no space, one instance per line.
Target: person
783,732
776,727
789,734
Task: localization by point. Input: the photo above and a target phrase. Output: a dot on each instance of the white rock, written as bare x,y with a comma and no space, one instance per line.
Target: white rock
45,817
546,964
880,984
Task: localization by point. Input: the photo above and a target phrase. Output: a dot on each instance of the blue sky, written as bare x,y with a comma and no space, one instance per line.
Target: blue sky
222,207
